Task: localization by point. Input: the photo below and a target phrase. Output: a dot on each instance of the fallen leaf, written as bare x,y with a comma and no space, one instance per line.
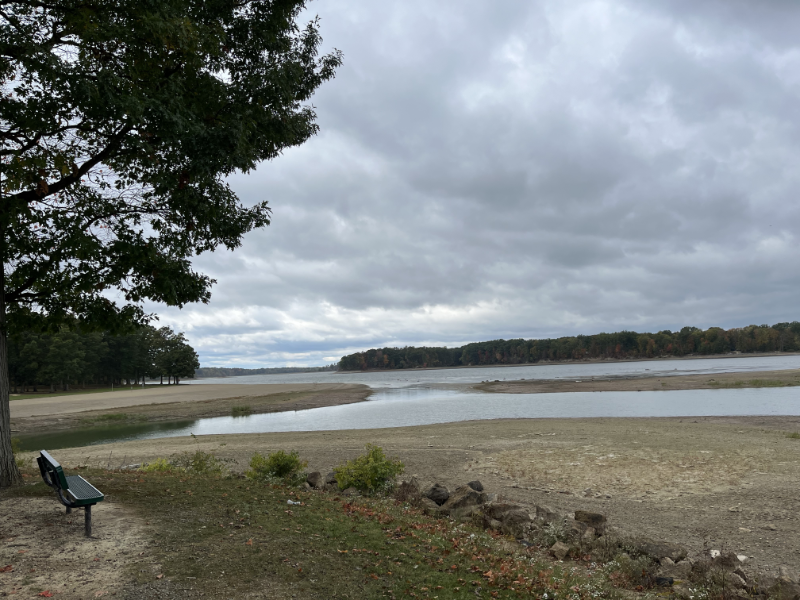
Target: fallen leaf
249,542
7,569
21,551
46,594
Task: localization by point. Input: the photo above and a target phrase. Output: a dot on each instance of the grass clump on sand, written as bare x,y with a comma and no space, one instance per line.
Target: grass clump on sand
793,436
112,419
197,463
369,473
228,537
241,411
755,383
277,466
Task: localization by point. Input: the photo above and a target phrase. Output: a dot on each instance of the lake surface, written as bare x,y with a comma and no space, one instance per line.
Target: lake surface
423,406
414,377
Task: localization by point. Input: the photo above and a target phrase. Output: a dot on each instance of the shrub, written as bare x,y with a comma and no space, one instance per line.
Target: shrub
278,465
159,465
199,463
240,411
370,472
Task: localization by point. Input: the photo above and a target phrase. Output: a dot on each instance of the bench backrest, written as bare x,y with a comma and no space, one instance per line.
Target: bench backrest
51,470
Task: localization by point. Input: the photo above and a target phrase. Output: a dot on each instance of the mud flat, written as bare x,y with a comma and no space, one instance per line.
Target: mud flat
624,383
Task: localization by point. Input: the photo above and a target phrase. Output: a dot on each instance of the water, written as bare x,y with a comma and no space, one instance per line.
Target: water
466,375
421,406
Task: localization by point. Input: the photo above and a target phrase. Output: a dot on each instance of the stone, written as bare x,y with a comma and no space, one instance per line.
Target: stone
429,505
559,550
512,517
591,519
588,535
315,480
575,529
736,581
785,575
408,491
462,499
307,487
493,524
659,550
546,515
476,485
741,573
682,591
351,491
438,493
330,478
785,590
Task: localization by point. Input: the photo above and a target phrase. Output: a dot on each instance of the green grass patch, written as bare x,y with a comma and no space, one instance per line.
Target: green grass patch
241,411
227,536
754,383
793,436
112,419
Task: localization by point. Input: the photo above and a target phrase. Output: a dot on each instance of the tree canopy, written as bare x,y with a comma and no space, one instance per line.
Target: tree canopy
120,121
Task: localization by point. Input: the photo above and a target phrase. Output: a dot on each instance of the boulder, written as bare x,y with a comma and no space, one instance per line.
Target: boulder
595,520
315,480
681,570
736,581
330,478
659,550
512,518
784,590
575,529
429,506
559,550
463,500
408,491
588,535
351,491
438,493
476,485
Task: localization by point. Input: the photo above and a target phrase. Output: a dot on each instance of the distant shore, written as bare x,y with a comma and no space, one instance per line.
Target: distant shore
590,361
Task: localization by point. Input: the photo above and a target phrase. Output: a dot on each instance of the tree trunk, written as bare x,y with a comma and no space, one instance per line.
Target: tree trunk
9,472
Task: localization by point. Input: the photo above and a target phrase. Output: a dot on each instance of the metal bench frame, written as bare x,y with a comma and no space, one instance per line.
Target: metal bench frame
72,492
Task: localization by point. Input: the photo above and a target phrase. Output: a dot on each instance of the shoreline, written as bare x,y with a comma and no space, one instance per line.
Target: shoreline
588,361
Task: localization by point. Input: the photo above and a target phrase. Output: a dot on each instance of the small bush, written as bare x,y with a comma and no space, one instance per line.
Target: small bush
159,465
792,436
240,411
199,463
371,472
278,465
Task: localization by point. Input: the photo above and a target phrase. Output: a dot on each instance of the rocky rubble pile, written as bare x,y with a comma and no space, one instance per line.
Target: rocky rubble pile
585,533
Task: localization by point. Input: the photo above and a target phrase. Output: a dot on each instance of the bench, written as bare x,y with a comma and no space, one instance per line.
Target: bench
72,492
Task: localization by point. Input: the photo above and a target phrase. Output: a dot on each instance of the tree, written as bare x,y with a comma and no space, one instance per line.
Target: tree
120,120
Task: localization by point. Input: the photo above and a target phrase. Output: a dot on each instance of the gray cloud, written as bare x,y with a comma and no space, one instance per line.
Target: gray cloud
518,169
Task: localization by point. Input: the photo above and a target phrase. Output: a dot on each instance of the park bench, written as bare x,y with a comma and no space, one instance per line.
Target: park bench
72,492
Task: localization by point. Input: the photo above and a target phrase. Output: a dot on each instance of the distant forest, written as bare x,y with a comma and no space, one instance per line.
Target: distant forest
71,358
782,337
236,371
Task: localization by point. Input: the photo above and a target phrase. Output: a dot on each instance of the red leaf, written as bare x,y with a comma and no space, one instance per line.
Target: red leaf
46,594
6,569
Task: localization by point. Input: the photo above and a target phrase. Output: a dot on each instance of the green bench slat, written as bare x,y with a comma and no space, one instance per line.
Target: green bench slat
82,491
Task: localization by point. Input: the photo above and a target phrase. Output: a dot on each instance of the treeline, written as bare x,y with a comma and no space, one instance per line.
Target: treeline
236,371
70,358
782,337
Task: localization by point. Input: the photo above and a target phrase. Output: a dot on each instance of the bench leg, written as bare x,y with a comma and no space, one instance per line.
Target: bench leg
69,510
87,523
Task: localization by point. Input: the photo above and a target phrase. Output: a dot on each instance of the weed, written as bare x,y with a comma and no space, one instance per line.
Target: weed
16,450
553,532
159,465
278,465
241,411
371,472
199,463
793,436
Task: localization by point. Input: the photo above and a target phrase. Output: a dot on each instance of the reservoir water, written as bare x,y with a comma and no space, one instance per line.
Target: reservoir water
418,398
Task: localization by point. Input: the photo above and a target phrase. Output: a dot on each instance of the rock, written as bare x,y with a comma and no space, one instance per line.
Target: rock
408,491
463,500
330,478
785,590
591,519
588,535
664,581
512,517
659,550
741,573
546,515
736,581
492,524
351,491
575,529
307,487
476,485
742,558
429,505
785,575
559,550
681,570
438,493
315,480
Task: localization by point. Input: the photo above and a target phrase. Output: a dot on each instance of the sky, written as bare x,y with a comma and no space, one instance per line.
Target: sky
514,169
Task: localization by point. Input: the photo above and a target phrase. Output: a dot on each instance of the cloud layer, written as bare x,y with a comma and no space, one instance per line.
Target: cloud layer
514,169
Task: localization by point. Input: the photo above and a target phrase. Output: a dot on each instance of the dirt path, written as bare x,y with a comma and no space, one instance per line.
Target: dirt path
728,482
44,550
625,383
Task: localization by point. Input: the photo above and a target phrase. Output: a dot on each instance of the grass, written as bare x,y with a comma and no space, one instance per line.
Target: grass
79,392
111,419
226,535
755,383
241,411
793,436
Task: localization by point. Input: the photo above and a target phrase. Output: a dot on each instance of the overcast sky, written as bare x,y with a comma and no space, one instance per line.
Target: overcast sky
523,169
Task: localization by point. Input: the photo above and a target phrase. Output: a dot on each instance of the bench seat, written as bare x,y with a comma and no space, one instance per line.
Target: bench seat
82,492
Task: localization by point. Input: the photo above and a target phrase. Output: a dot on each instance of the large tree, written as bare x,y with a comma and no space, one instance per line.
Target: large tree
120,120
